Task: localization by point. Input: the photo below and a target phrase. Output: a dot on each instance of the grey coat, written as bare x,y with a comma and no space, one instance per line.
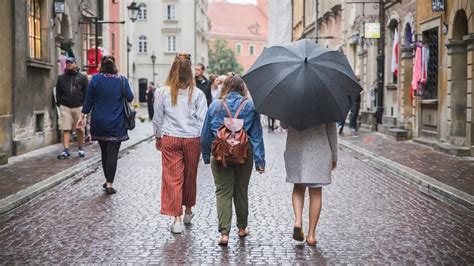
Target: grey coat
309,154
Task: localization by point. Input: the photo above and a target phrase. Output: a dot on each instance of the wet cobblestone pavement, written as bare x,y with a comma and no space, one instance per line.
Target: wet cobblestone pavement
369,216
457,172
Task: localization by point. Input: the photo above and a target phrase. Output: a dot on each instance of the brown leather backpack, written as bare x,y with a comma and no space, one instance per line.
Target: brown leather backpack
230,147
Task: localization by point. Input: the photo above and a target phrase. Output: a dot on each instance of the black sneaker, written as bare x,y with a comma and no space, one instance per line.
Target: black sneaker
64,155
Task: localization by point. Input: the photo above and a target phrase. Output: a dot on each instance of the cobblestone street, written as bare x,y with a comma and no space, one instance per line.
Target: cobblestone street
370,215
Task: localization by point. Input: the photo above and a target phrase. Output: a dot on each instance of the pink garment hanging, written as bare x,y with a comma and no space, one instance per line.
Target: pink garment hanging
417,68
394,63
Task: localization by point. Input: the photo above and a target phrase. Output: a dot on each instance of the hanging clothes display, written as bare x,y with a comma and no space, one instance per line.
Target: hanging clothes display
420,69
416,69
394,63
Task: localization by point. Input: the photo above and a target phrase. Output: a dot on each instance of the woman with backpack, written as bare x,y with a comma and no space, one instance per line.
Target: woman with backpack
180,109
233,146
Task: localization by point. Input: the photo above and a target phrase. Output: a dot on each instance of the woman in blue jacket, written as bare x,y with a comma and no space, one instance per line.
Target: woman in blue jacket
104,98
232,181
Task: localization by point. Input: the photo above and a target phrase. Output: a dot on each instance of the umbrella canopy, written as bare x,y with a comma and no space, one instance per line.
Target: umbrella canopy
302,84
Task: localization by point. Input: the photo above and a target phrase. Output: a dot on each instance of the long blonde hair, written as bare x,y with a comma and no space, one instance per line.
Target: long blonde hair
180,77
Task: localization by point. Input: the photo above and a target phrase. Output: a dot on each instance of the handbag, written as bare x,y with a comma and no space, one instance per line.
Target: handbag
129,113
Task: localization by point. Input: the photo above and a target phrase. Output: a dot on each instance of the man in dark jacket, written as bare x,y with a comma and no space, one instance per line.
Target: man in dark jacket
71,90
202,82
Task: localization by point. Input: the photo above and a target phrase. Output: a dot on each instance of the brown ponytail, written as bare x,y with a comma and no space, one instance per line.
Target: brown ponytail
180,77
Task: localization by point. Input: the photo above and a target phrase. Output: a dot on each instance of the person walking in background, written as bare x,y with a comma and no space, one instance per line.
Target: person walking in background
215,88
310,156
180,109
150,99
202,82
271,124
105,100
232,181
71,89
354,114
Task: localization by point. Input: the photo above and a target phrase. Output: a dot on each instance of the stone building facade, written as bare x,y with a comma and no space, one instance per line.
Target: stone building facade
244,27
34,40
163,28
443,116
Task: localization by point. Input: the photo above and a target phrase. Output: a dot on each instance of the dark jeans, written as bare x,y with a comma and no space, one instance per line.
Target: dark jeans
271,123
109,151
151,111
353,117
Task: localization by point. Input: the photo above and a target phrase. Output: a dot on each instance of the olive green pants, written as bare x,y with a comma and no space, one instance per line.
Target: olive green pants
232,182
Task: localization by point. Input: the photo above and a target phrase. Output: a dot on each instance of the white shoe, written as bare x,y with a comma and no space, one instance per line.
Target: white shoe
187,218
176,228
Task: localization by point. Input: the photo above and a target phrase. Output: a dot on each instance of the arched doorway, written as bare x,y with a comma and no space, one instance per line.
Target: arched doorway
457,49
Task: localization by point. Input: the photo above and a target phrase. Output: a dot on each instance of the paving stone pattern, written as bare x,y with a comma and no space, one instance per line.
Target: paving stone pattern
450,170
369,216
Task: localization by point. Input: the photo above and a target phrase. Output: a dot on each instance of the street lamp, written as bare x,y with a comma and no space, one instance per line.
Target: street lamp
153,60
133,9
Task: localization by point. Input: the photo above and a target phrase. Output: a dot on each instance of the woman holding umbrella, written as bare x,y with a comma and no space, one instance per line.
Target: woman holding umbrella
310,156
308,88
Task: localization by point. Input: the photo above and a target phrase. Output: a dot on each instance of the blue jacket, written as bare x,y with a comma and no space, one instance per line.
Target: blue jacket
215,119
104,99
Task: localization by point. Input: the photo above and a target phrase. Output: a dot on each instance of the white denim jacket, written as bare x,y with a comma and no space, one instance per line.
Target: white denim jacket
184,120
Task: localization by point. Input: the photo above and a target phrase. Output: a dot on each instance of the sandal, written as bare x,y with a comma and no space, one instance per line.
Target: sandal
243,232
298,234
110,191
222,242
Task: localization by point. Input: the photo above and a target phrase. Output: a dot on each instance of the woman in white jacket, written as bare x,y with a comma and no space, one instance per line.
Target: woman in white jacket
180,109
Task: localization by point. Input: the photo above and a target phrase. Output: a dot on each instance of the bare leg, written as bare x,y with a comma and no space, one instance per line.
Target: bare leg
298,204
66,138
315,195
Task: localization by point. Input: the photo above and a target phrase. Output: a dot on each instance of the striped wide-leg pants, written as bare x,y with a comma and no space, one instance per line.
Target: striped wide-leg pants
180,159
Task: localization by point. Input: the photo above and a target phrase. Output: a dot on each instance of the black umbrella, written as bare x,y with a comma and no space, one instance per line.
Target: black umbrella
302,84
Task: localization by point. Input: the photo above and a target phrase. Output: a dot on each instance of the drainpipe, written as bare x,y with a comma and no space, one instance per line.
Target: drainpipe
316,26
195,34
380,66
292,19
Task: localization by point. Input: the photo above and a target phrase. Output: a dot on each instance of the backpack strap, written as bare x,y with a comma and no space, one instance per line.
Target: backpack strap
227,108
240,107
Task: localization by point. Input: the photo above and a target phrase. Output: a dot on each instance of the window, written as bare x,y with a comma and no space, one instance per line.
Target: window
171,12
171,43
34,28
142,12
142,44
238,48
251,49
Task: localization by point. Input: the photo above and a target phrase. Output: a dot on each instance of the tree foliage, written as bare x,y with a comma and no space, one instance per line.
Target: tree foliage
222,59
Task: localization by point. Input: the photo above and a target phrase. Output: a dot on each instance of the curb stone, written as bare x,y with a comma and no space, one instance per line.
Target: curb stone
21,197
427,185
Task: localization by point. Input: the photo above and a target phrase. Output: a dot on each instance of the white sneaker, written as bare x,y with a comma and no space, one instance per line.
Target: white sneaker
176,228
187,218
